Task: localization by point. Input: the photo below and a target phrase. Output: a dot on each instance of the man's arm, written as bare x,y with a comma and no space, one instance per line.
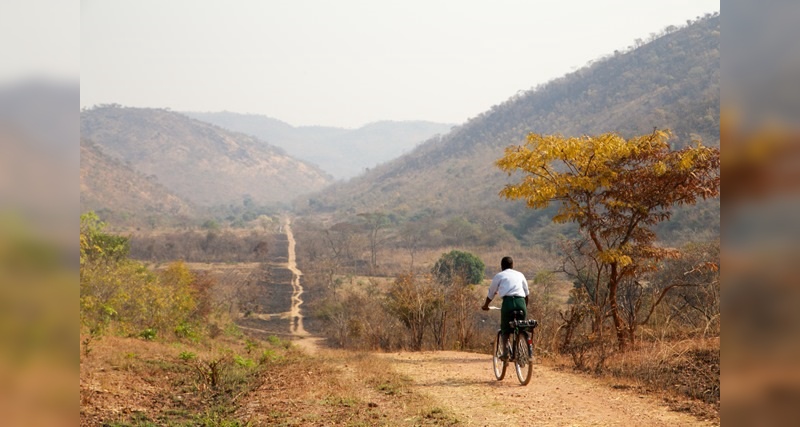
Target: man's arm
492,291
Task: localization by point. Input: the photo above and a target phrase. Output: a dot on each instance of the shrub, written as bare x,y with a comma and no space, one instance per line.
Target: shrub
187,356
148,334
119,291
243,361
185,330
458,266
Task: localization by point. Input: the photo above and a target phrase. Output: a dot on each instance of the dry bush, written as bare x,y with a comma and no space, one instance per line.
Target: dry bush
409,312
674,300
692,309
687,368
544,304
234,291
356,319
415,301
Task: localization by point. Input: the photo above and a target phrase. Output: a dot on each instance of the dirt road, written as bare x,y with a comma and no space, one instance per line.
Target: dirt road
279,303
465,384
295,315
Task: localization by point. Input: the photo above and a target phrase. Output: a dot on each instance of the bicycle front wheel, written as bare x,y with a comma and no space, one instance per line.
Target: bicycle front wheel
498,365
523,362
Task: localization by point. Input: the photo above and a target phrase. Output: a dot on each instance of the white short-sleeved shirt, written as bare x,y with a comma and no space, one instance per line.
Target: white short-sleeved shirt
509,282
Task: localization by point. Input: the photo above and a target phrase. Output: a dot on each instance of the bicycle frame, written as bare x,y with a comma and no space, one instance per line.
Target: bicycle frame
518,352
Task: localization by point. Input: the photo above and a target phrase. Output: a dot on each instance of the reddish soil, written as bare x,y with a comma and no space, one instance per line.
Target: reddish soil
464,384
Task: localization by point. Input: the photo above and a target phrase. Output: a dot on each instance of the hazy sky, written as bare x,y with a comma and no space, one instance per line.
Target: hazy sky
346,62
39,39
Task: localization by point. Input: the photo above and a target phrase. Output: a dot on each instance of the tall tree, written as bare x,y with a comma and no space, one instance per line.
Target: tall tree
615,190
374,222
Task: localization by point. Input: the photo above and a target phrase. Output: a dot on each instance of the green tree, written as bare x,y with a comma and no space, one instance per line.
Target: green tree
615,190
95,244
459,266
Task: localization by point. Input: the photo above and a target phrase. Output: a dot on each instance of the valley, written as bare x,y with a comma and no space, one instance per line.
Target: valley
236,270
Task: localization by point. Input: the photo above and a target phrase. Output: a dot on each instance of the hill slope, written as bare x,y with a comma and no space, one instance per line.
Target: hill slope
671,82
344,153
199,162
120,194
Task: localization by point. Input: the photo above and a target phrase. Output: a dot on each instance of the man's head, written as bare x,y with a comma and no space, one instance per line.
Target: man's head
506,263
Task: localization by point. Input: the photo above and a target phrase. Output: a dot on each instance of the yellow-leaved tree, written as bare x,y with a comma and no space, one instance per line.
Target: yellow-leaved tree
615,189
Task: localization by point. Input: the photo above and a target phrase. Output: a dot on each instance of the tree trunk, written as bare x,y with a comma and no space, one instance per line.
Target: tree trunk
632,335
613,282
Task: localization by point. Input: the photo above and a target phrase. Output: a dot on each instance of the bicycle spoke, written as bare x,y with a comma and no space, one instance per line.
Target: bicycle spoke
523,364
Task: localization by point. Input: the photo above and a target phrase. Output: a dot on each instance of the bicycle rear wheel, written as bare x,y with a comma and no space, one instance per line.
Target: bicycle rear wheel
498,365
523,362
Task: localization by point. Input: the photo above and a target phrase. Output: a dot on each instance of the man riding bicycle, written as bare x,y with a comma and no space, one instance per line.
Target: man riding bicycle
512,286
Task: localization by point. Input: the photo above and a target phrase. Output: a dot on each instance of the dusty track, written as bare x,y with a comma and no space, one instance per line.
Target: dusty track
295,315
281,298
305,339
464,383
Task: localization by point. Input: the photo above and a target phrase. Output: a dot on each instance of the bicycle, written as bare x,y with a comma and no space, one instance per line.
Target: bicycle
520,348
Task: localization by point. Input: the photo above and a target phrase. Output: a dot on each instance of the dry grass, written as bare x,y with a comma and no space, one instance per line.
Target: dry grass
339,388
130,382
127,381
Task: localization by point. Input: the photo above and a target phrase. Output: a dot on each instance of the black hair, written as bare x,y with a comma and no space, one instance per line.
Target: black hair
506,263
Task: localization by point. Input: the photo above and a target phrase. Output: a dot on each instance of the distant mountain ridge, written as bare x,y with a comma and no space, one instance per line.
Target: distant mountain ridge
201,163
671,82
344,153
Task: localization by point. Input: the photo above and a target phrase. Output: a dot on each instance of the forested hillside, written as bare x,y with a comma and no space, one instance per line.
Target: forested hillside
672,82
344,153
199,162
